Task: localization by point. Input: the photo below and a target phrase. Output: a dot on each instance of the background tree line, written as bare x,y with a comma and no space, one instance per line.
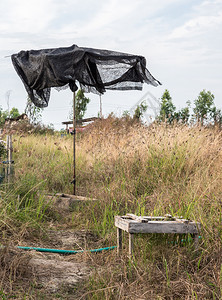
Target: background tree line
204,110
33,113
4,114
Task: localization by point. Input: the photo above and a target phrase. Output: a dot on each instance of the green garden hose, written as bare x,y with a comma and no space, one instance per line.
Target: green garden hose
65,251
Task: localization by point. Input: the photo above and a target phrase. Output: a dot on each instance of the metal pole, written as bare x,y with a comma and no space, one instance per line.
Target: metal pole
74,143
100,105
9,157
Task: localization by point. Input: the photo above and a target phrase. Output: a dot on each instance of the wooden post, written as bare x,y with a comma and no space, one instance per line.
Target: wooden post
131,244
9,157
119,240
74,143
196,241
100,100
9,148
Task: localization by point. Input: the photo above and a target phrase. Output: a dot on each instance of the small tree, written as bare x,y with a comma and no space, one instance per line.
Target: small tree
81,105
140,109
3,116
216,115
34,113
183,115
14,113
167,108
3,150
203,106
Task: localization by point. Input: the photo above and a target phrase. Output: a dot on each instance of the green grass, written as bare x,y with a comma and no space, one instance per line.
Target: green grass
146,171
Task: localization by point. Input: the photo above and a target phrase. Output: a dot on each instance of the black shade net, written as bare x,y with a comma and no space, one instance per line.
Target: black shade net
95,70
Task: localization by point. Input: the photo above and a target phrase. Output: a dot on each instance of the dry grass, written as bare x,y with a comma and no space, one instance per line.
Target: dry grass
144,170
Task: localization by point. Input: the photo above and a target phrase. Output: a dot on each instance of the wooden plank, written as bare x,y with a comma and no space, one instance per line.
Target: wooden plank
131,236
162,227
80,121
136,218
119,240
196,241
75,197
149,218
157,222
182,220
137,224
154,226
122,224
9,155
66,202
132,216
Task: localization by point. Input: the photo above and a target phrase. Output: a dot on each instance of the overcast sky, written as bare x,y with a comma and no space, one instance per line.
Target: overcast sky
181,40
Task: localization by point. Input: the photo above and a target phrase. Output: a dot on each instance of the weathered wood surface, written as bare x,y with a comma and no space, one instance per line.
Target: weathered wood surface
141,218
121,223
131,236
81,121
66,201
157,226
9,157
144,219
119,240
162,227
74,197
147,224
196,240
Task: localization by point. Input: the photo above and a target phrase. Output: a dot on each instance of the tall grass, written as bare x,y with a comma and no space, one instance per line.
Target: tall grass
148,171
22,212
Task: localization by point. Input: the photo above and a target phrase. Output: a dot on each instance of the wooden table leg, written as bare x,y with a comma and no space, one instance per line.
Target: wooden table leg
131,244
196,241
119,240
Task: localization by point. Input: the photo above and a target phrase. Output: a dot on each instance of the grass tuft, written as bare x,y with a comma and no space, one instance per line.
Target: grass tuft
129,168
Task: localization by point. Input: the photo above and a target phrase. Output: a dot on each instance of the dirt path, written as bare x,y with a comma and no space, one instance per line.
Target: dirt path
50,272
55,271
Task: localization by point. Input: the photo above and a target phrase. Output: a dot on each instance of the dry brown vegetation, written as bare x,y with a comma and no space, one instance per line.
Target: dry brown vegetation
129,168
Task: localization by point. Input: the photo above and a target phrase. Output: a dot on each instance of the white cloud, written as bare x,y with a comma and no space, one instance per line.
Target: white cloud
198,25
98,22
198,40
205,18
26,15
180,39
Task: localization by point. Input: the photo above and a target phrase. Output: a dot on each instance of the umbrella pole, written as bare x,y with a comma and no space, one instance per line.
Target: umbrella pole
74,143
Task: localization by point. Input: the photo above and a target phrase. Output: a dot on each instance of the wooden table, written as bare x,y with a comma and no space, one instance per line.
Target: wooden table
147,224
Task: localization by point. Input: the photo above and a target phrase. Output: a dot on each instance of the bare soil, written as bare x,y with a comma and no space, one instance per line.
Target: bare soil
50,272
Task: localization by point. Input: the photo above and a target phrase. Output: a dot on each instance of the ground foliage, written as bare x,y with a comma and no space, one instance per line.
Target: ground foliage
129,168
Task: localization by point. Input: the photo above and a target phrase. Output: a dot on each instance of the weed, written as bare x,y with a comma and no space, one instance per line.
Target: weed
129,168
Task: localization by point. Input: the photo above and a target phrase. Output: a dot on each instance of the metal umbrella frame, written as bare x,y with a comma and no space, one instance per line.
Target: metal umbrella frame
96,70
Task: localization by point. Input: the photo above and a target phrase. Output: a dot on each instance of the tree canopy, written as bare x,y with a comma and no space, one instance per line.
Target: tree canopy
203,106
167,109
33,112
204,110
4,114
81,105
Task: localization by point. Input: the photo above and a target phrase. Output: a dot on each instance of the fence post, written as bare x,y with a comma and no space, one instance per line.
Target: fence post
9,157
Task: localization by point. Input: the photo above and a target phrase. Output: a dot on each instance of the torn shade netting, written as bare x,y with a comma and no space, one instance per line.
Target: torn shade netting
95,70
